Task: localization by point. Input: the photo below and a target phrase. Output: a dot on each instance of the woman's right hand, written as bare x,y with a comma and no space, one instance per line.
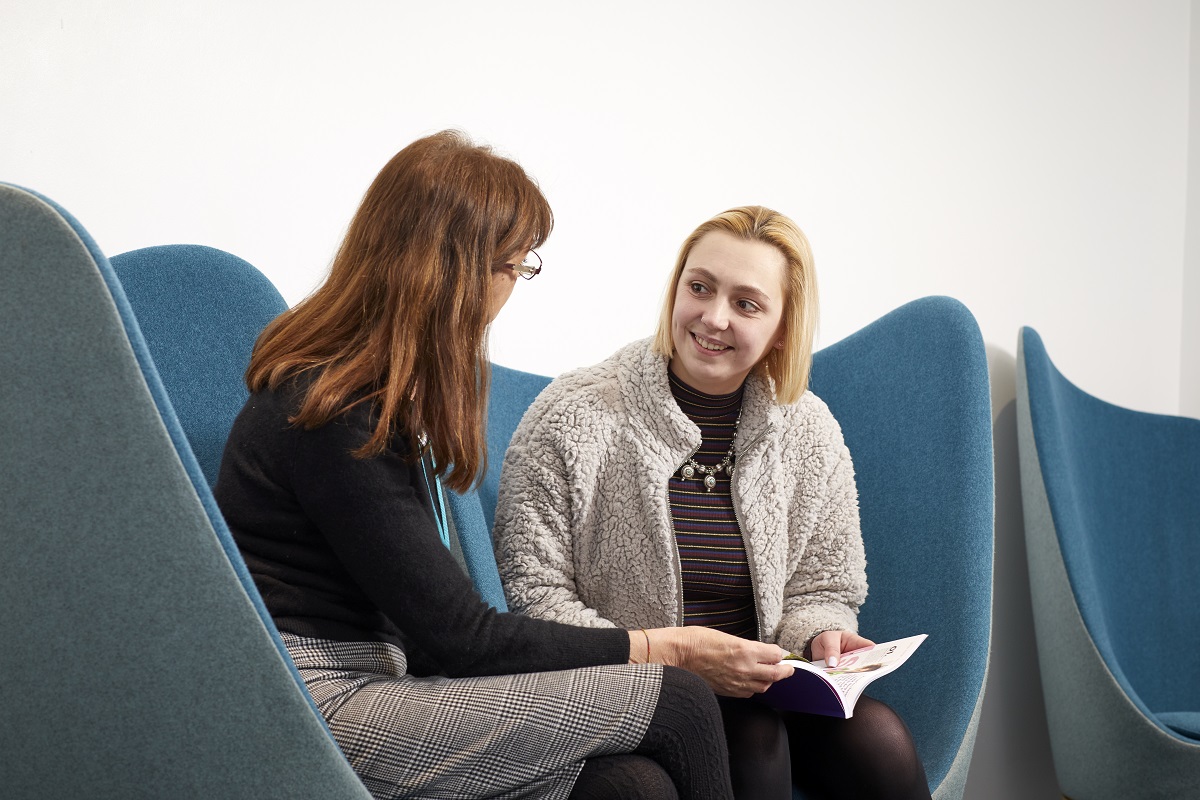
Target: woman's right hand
730,665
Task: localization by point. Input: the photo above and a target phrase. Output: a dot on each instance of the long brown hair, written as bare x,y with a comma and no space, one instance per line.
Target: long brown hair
401,321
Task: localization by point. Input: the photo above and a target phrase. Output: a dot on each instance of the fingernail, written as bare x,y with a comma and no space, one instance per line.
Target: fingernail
832,661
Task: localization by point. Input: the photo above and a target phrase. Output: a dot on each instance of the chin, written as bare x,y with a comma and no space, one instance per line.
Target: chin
714,381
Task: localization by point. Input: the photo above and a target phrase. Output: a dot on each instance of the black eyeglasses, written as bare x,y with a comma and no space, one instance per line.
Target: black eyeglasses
531,266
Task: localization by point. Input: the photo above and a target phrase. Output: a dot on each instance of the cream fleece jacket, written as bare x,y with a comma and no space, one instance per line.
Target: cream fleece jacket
583,527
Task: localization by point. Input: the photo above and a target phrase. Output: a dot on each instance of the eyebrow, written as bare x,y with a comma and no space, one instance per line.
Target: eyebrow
741,288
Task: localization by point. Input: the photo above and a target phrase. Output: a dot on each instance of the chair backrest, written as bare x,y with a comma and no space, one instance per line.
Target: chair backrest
1124,493
474,512
137,660
199,310
911,394
512,392
1112,532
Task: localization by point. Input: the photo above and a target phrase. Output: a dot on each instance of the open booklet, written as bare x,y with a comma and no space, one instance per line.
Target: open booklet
818,689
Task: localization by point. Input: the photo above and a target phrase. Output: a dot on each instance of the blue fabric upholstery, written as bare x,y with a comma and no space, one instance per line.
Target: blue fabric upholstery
911,394
474,537
474,512
137,661
1112,526
1185,723
199,310
511,393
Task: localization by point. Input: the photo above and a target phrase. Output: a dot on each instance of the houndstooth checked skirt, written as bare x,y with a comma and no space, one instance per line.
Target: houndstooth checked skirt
506,736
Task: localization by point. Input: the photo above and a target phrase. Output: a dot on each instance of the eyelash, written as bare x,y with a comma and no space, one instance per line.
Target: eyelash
699,288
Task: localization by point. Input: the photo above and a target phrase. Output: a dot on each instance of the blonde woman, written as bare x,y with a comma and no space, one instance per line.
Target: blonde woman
692,480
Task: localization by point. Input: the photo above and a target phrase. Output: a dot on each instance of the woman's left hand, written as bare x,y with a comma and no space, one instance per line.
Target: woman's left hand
831,644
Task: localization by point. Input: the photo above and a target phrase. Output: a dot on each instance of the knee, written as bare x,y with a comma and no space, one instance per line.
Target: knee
623,777
679,680
872,754
880,730
651,782
687,693
884,743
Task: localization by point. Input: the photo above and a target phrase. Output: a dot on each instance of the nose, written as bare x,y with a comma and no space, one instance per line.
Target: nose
715,317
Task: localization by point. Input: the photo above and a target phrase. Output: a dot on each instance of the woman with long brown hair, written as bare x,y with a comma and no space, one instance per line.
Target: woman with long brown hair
364,397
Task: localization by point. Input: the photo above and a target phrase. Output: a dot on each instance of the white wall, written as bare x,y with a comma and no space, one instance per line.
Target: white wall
1189,363
1027,157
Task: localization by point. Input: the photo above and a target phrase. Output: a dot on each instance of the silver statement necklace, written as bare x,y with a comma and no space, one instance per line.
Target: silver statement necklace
691,467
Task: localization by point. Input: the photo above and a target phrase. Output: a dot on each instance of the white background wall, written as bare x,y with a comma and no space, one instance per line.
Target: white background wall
1189,365
1029,158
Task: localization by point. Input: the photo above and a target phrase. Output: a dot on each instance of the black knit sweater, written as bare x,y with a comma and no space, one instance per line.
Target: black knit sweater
347,549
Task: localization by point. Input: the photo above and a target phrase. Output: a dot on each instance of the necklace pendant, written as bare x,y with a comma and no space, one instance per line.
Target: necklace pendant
687,472
710,481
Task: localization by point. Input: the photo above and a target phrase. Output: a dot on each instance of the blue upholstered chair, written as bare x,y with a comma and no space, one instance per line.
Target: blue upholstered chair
1112,529
137,659
199,311
474,512
911,394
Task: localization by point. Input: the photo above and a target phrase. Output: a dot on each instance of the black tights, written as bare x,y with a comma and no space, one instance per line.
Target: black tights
682,755
870,755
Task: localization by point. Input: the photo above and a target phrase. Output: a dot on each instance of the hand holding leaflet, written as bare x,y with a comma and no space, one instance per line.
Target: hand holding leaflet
816,688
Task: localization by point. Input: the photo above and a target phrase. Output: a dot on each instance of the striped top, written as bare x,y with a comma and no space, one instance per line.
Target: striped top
712,557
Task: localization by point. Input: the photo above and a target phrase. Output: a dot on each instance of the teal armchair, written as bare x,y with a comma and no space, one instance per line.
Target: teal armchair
911,393
1112,526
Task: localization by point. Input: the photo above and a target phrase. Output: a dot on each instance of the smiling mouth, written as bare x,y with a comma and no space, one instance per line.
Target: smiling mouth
708,344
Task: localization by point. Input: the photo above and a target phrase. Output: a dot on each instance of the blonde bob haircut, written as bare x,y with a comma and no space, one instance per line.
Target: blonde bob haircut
786,367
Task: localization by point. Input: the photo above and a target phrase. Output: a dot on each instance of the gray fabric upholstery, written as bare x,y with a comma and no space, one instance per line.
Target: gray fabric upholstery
192,314
134,664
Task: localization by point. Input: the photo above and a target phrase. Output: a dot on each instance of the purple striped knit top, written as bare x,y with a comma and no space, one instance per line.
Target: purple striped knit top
712,557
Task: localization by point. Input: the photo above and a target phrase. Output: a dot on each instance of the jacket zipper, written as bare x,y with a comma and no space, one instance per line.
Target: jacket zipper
736,518
733,498
679,614
749,563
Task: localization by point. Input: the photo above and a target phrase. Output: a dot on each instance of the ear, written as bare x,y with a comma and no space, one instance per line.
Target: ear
779,345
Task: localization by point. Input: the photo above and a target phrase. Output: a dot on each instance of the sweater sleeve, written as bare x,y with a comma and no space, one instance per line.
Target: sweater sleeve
829,582
373,515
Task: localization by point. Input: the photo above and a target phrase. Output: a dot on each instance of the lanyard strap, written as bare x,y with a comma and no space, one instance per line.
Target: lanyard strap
436,499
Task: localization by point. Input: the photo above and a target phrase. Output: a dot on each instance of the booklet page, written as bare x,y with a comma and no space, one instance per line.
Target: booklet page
858,668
